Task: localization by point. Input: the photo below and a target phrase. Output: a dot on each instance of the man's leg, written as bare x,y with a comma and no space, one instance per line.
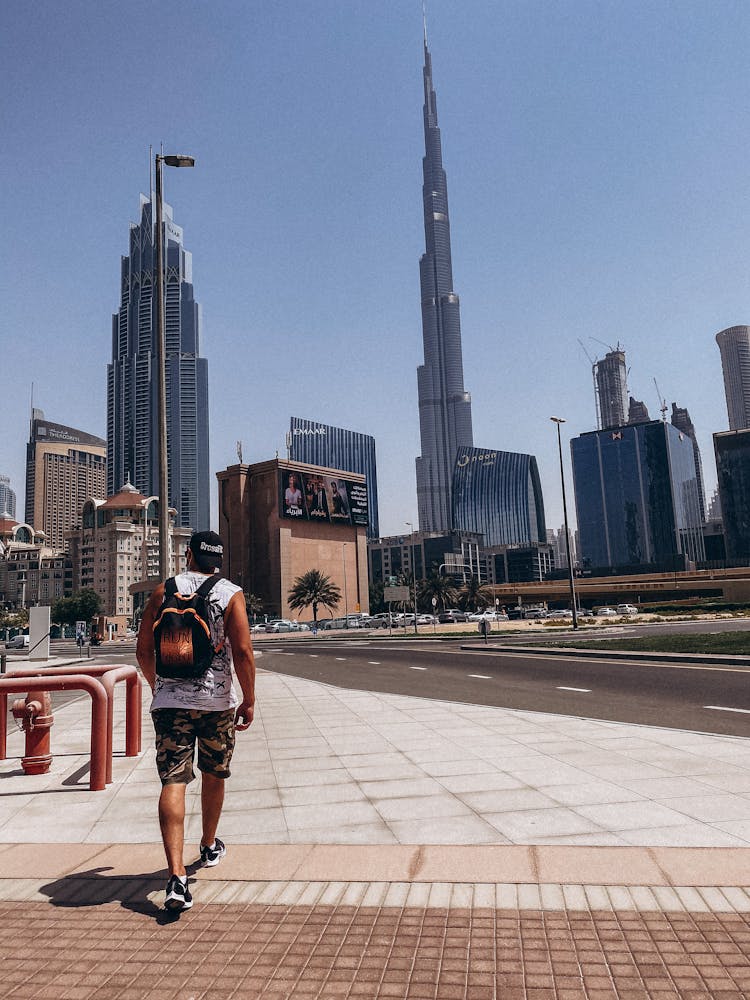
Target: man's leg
172,823
212,800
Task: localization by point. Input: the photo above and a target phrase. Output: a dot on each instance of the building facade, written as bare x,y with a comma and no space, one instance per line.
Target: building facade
30,572
732,450
63,467
455,554
336,448
7,499
278,520
612,390
681,420
734,346
636,495
132,376
498,495
115,548
444,404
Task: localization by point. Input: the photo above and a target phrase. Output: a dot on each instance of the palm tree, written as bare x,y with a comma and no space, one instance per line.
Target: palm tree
440,587
475,594
253,606
314,588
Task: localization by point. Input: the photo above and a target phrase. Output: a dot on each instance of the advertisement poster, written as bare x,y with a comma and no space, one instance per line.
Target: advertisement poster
314,497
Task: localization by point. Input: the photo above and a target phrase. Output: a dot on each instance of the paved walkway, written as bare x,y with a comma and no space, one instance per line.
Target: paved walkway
386,846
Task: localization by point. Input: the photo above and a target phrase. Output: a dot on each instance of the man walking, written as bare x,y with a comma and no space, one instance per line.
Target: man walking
203,709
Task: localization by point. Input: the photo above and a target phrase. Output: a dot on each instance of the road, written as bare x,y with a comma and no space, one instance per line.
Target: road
713,699
703,698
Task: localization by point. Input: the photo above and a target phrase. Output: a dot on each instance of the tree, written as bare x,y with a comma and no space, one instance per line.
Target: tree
475,594
377,600
81,606
253,606
440,587
313,589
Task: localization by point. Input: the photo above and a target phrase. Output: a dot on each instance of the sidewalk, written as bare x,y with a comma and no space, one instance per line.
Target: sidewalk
387,846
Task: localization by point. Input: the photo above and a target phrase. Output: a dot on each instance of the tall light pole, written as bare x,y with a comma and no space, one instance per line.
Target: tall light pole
410,526
161,362
346,597
558,421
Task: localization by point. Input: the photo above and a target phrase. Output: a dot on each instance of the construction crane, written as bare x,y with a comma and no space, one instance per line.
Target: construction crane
662,403
593,362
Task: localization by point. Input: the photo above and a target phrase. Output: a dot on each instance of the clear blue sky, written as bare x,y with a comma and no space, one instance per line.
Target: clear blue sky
597,162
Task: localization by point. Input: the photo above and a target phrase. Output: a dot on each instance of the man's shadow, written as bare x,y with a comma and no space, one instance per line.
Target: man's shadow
94,888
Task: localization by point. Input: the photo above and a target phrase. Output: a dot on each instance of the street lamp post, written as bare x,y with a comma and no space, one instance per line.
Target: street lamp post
161,362
410,526
346,598
558,421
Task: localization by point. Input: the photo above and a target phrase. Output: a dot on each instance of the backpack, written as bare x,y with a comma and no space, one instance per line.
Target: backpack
182,634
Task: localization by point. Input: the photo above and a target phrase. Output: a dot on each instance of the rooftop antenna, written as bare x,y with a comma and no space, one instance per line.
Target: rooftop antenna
31,413
239,451
662,403
424,22
151,178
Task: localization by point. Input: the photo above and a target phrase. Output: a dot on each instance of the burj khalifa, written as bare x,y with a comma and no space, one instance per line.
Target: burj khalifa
444,404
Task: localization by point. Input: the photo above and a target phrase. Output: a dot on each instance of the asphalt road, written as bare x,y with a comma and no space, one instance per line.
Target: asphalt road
714,699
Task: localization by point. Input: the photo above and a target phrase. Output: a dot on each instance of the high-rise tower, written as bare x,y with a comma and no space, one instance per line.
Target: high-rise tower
444,405
734,345
612,389
681,420
132,382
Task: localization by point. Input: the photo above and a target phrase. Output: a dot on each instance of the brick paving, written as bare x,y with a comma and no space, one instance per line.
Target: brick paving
222,951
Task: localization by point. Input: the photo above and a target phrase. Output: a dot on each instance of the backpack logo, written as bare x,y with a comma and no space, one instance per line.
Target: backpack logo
182,634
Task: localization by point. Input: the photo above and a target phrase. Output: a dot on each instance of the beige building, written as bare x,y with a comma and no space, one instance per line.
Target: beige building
64,466
281,519
30,572
115,549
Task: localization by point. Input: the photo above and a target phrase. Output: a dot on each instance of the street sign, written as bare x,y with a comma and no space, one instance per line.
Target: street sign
396,595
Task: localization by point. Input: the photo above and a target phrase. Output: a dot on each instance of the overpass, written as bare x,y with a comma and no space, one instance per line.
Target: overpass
642,588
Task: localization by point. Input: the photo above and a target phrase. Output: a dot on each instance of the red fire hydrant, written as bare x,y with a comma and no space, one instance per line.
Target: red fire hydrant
35,718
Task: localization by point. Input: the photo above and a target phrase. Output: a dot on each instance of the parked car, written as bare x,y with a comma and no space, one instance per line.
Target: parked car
560,614
451,616
426,619
278,625
377,621
17,642
585,613
490,616
535,613
627,609
605,613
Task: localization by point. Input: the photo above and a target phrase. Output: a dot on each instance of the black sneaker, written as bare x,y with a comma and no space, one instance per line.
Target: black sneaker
178,895
211,856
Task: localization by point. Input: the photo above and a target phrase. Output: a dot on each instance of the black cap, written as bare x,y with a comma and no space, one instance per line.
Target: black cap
208,550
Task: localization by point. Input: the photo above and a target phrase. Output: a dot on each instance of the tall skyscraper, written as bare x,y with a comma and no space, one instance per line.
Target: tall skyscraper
7,499
132,377
612,390
732,451
681,420
734,345
338,448
64,466
444,404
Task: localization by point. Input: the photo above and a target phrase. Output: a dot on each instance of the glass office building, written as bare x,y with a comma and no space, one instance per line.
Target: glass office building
637,497
732,450
498,494
337,448
132,383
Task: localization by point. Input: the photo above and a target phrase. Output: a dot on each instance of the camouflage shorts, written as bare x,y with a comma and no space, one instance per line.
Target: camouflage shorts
178,729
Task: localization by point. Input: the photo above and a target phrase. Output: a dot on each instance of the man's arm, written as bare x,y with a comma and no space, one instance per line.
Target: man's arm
144,649
237,630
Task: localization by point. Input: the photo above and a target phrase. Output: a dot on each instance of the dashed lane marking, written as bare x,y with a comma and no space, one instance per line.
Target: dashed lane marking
722,708
480,677
340,657
374,663
313,656
417,668
582,690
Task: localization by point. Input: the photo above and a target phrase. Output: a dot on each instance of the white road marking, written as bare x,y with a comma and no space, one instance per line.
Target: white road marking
480,677
340,657
314,656
417,668
375,663
721,708
582,690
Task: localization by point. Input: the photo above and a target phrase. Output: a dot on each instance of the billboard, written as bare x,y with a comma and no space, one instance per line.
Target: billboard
312,496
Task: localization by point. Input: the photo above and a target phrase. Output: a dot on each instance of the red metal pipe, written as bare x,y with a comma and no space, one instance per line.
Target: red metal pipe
122,672
68,682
